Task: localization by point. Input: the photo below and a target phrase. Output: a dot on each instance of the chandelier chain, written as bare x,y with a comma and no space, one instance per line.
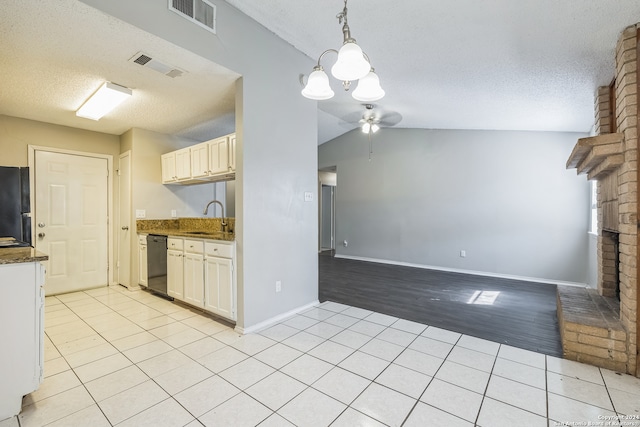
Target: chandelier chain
343,15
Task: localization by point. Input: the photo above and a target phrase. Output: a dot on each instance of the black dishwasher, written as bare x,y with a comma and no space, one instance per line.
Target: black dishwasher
157,263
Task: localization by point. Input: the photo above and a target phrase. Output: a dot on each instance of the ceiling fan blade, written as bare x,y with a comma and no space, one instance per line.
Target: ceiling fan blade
352,117
390,119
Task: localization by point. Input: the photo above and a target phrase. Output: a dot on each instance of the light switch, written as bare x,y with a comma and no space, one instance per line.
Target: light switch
308,196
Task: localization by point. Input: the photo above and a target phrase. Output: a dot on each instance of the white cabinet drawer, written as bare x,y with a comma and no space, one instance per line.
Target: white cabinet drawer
175,243
219,249
194,246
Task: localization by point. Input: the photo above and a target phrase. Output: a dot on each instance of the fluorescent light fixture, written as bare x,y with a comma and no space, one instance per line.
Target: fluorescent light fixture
105,99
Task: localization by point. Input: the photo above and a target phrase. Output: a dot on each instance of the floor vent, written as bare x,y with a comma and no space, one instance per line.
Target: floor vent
201,12
148,62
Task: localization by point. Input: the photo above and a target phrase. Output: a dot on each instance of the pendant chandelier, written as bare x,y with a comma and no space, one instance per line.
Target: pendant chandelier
352,64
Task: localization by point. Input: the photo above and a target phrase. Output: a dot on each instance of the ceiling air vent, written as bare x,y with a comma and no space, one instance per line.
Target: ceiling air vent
202,12
148,62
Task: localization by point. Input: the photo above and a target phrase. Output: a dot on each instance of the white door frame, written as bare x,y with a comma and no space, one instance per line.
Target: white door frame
109,158
132,280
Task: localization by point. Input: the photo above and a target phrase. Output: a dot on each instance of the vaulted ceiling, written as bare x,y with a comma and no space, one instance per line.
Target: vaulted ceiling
468,64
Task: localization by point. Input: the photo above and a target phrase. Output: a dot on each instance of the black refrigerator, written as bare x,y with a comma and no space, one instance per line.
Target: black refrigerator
15,204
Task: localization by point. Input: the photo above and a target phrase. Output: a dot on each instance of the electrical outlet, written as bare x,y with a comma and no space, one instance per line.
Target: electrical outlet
463,254
308,196
174,213
141,213
278,285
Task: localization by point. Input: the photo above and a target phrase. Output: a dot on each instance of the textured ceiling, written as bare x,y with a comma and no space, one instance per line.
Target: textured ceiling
465,64
55,53
468,64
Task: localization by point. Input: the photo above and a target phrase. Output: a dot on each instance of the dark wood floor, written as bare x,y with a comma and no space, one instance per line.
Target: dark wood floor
523,315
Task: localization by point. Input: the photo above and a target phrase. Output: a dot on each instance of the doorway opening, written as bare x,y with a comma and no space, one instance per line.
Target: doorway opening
327,183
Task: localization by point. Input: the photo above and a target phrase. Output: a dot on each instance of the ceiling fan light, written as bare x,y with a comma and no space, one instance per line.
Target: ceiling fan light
318,86
351,64
374,128
366,127
368,89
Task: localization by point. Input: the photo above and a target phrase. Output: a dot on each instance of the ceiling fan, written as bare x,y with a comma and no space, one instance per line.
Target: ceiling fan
373,119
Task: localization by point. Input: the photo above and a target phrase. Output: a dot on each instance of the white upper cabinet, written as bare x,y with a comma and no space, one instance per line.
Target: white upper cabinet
208,161
169,167
176,166
183,164
232,152
200,160
219,155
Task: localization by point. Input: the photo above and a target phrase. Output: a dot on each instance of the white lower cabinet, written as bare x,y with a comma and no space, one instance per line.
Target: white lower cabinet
219,290
193,273
175,268
142,260
201,273
21,334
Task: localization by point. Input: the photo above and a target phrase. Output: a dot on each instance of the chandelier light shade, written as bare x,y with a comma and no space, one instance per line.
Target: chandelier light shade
105,99
318,86
352,65
368,89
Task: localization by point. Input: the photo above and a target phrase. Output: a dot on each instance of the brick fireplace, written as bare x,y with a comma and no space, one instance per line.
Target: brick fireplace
600,326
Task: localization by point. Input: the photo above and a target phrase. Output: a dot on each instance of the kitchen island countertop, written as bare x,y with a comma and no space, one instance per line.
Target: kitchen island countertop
21,255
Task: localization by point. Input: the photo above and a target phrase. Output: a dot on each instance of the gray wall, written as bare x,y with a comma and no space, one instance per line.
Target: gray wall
503,197
149,193
276,231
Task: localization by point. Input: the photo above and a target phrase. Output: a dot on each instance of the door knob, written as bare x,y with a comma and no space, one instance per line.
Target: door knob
125,227
41,235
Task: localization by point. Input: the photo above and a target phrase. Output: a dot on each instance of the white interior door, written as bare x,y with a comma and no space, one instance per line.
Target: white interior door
124,233
71,227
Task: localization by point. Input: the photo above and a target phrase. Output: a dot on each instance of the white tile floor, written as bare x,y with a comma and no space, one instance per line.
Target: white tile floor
115,357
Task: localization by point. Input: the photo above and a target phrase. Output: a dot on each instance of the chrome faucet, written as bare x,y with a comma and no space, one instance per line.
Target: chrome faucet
206,209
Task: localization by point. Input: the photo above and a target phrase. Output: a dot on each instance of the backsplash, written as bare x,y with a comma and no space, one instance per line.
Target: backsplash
186,224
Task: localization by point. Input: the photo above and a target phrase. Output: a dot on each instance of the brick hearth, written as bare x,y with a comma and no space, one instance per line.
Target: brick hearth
591,328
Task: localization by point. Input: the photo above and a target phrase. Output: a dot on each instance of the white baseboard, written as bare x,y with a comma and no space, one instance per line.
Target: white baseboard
456,270
276,319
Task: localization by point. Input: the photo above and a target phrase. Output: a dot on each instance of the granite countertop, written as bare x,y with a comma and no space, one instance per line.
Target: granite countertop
195,228
21,255
213,235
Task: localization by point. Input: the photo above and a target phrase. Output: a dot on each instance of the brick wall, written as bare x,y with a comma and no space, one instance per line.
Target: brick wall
621,187
627,123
